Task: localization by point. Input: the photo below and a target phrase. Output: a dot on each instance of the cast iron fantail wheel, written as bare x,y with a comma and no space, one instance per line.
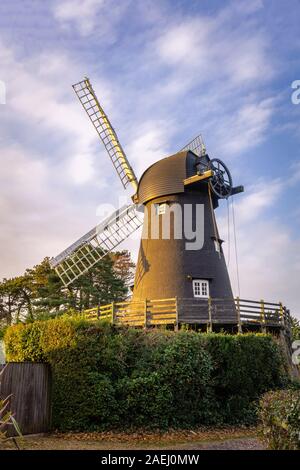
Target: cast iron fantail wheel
221,182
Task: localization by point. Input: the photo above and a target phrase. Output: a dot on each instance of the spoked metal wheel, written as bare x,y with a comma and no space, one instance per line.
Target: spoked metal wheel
221,182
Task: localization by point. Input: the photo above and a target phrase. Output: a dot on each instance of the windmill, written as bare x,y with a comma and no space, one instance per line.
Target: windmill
165,267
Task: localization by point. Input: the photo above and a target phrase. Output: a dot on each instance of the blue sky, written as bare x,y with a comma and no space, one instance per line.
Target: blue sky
164,71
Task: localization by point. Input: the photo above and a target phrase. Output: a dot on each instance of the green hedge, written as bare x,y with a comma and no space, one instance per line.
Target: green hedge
106,378
280,419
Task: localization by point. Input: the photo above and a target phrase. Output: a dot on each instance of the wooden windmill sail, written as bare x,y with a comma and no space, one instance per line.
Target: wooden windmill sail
165,268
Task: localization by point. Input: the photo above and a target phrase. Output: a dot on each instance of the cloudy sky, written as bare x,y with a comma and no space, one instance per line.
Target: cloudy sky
164,70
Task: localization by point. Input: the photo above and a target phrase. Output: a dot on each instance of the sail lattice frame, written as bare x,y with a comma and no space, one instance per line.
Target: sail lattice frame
92,247
106,132
196,145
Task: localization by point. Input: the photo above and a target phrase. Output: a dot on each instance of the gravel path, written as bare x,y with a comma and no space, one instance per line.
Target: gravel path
53,442
248,443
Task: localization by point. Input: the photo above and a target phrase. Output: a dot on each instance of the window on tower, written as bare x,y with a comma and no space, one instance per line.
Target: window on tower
161,208
201,288
217,246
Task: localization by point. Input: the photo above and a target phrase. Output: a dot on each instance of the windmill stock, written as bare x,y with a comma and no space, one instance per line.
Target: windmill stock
167,266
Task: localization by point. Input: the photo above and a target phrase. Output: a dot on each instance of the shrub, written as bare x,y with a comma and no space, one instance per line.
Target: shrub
294,383
279,413
2,332
106,377
172,387
245,366
6,416
186,368
145,401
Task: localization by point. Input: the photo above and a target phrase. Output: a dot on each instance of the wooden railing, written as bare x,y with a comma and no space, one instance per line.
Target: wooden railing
173,311
142,313
263,313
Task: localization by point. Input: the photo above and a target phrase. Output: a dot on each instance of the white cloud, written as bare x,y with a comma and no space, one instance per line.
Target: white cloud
81,168
81,13
249,6
269,261
247,58
252,122
268,252
88,17
295,173
208,48
30,204
48,148
39,217
149,142
245,127
217,71
259,198
185,44
47,103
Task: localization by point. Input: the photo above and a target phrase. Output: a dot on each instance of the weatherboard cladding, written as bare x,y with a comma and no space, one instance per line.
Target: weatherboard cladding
166,176
165,267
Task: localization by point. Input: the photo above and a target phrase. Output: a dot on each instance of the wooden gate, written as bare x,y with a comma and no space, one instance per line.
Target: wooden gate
29,385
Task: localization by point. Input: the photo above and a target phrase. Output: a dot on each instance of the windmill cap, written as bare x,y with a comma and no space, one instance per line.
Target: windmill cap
166,176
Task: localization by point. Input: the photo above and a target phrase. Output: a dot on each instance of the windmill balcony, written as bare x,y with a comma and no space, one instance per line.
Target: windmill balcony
210,314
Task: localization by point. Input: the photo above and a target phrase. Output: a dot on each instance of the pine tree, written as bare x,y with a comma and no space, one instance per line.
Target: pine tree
40,292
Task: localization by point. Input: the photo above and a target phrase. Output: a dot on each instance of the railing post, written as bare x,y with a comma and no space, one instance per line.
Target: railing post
288,323
98,311
239,324
209,325
146,316
262,316
176,326
281,312
113,313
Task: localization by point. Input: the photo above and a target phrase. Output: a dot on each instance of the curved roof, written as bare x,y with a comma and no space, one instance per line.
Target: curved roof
166,176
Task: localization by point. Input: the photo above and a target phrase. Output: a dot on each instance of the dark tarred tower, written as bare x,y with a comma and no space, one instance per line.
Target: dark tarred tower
165,267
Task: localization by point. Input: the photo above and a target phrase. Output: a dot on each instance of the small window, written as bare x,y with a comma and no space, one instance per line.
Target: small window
201,288
161,208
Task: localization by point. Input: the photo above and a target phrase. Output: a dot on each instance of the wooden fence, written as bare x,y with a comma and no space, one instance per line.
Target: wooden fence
29,385
173,311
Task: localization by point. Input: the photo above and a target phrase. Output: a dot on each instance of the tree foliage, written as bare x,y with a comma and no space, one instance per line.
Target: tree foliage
39,291
295,328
